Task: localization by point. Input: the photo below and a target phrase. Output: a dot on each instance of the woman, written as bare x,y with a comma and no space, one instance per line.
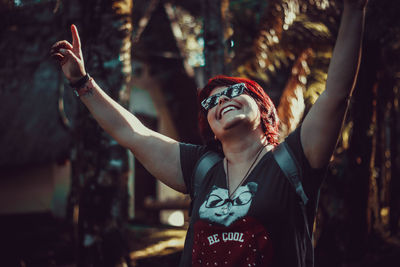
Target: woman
247,212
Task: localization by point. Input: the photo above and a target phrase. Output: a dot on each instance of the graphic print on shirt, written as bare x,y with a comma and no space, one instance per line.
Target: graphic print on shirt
225,235
219,208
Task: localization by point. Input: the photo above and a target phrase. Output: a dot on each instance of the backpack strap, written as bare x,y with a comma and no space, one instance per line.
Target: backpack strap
203,166
289,166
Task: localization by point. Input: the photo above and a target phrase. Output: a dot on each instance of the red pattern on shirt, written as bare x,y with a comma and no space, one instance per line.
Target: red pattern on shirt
244,243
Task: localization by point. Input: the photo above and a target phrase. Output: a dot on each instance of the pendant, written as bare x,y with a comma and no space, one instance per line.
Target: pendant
225,209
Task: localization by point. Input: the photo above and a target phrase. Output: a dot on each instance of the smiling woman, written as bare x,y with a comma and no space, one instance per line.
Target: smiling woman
268,115
246,212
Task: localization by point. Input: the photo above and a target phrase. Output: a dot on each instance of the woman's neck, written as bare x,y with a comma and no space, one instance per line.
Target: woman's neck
243,149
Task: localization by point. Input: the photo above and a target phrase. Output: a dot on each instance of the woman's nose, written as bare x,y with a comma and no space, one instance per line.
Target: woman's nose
223,99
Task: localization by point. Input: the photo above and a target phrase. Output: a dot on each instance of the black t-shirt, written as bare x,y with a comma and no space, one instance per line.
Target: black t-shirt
260,225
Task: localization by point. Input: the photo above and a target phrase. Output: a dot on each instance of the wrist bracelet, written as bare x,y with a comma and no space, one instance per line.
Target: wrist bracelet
81,82
87,88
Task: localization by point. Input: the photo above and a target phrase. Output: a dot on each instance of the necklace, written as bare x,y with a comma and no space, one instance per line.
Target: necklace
245,176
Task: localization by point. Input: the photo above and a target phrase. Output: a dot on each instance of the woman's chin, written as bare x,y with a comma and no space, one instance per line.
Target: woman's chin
234,122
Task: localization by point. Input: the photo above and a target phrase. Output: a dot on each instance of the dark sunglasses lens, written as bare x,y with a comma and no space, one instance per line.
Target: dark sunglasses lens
238,90
204,104
214,100
231,92
228,92
234,90
209,102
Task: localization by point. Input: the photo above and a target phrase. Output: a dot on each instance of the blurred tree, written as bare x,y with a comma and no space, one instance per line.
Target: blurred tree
214,24
100,166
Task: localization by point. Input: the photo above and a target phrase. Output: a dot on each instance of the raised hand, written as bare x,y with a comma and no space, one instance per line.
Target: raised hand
70,56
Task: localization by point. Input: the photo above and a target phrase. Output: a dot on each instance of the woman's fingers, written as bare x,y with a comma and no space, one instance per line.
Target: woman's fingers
76,42
63,55
68,54
61,51
61,44
62,59
57,56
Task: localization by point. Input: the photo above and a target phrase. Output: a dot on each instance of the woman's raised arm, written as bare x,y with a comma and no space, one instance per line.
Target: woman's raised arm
322,124
159,154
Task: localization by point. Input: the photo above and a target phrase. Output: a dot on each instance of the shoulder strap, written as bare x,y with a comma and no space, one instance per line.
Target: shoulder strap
203,166
288,164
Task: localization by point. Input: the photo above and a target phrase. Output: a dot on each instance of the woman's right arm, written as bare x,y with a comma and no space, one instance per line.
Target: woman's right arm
159,154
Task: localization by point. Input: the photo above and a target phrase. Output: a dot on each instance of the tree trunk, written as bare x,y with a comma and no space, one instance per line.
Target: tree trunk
214,44
100,165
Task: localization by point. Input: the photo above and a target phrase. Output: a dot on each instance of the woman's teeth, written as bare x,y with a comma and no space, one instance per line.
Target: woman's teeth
225,110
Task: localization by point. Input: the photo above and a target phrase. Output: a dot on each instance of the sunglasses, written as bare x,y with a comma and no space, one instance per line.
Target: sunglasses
230,92
214,201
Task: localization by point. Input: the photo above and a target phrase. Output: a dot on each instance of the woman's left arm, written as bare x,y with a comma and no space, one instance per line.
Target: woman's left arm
322,125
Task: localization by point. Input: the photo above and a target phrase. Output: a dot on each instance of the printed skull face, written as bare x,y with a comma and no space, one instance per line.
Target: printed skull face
219,208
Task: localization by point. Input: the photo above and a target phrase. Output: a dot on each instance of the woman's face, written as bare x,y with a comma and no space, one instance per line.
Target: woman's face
240,112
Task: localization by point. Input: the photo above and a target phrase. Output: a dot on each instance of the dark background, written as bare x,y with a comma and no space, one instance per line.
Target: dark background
285,45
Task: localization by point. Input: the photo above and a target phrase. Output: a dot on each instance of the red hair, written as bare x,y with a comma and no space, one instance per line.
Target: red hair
269,118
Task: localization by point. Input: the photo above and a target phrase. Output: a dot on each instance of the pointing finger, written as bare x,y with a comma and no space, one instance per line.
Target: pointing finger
76,42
